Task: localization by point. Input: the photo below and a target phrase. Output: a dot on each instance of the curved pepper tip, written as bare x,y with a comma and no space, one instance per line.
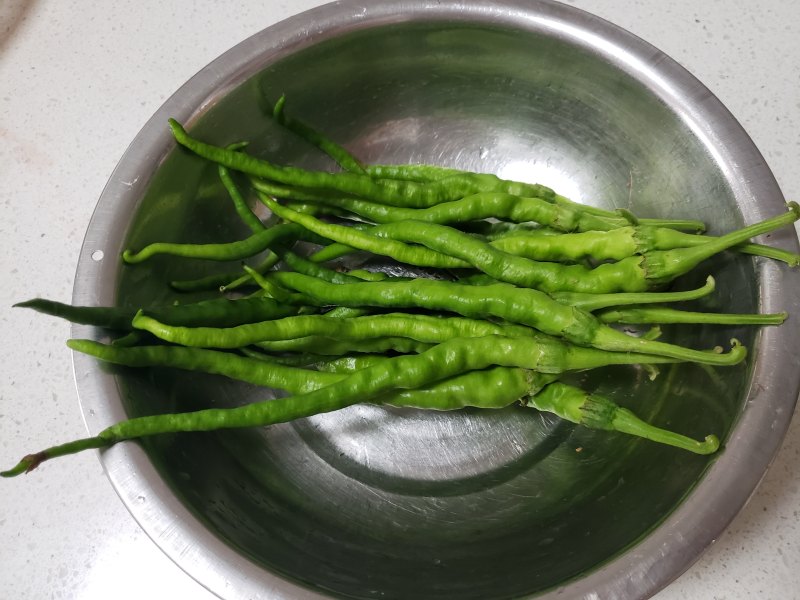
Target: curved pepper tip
177,129
129,257
26,465
709,445
25,303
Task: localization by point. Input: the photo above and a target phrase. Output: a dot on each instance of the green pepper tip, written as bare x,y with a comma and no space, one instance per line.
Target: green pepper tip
277,111
627,215
14,471
709,445
26,465
178,132
653,333
137,318
738,351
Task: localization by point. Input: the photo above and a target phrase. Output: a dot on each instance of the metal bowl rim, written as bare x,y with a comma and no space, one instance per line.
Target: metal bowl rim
638,572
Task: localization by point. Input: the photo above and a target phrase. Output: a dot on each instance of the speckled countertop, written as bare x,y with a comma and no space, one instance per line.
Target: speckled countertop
79,79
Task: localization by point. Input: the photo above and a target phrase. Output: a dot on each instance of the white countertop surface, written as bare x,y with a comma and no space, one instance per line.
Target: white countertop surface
77,82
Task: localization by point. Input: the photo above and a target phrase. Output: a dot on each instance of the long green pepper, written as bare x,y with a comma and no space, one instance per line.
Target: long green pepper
441,362
632,274
238,250
495,387
430,173
453,356
598,412
543,352
403,372
218,312
499,386
615,244
387,191
518,305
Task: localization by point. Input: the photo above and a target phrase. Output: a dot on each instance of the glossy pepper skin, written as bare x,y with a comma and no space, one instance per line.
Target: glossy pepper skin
586,236
218,312
517,305
387,191
437,243
499,386
449,359
504,355
394,192
403,372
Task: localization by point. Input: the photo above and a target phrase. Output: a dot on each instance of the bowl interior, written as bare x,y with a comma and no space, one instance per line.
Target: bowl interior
382,502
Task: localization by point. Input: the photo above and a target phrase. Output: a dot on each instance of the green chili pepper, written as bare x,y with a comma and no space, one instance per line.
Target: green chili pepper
632,274
446,360
517,305
593,302
347,364
399,251
499,386
420,173
222,312
565,217
619,242
399,332
247,216
598,412
547,244
250,246
475,206
388,191
663,315
403,372
329,346
346,160
391,191
429,173
306,267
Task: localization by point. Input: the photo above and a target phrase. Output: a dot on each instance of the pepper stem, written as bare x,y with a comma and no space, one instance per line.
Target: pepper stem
663,315
666,265
626,422
598,412
679,224
31,461
268,286
669,239
608,338
592,302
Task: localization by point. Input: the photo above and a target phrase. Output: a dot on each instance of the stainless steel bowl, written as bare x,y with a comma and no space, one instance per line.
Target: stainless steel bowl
380,503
